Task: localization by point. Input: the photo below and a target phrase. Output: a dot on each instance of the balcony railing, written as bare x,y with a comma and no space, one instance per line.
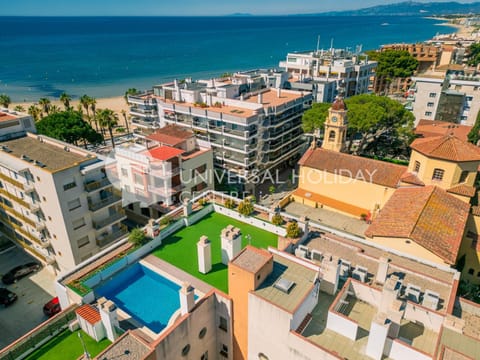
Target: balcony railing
96,185
120,215
107,239
16,214
11,181
13,197
97,205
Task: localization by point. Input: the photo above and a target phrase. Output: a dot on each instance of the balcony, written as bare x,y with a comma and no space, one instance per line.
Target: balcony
14,198
105,239
11,181
100,204
34,207
97,185
118,216
40,226
16,214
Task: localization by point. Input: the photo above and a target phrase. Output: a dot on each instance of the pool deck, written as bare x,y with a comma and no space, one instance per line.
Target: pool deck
174,274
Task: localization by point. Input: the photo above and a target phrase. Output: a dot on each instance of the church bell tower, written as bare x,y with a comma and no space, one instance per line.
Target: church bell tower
336,124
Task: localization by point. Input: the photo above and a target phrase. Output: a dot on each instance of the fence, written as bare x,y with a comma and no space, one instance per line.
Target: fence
38,336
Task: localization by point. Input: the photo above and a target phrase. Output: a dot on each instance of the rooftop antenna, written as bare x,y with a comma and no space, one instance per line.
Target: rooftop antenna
318,43
331,47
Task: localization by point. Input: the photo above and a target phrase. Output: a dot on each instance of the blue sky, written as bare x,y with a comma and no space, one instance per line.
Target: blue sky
181,7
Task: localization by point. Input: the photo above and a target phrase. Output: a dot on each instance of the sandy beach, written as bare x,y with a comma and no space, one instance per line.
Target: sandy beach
461,30
116,104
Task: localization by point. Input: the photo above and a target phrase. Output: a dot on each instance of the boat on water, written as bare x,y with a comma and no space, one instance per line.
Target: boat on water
385,24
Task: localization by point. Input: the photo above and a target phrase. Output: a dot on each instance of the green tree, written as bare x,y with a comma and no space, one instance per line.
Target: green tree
125,118
137,237
68,126
45,104
474,134
229,203
246,207
54,109
34,112
474,54
277,219
271,189
65,99
130,92
314,118
108,119
5,100
19,108
293,230
85,102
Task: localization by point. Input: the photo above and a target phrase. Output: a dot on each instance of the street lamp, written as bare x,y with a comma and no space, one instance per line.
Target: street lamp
85,352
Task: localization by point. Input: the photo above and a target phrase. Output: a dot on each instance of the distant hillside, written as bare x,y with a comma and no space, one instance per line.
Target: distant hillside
410,8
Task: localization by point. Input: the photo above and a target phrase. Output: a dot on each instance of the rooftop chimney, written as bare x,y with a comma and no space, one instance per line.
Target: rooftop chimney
260,98
187,298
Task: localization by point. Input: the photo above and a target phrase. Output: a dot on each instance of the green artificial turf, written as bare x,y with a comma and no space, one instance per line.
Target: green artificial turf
180,249
67,346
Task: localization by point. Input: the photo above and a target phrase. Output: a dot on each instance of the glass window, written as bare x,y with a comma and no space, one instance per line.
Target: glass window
77,224
463,176
433,95
430,104
84,241
428,113
69,186
438,174
74,204
417,166
471,271
223,324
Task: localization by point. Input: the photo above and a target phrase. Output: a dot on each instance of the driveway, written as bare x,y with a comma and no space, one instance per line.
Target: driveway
33,292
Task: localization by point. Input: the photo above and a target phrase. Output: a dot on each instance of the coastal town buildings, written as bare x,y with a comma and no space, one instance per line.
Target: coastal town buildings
452,95
55,199
251,127
323,72
156,175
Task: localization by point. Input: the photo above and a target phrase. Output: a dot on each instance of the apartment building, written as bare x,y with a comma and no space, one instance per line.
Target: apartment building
324,71
55,199
452,97
249,131
428,55
161,170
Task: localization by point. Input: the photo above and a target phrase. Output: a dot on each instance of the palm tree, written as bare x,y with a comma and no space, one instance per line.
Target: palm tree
34,112
124,114
45,103
65,99
5,100
85,102
54,109
131,91
19,108
108,119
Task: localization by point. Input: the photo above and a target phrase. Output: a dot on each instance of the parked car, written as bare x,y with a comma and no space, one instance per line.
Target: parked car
19,272
7,297
52,307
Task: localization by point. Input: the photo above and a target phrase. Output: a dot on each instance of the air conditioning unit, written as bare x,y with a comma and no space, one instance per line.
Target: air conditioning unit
301,253
317,255
360,273
344,268
413,293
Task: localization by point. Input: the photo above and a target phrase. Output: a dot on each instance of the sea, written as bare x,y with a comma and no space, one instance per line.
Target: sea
104,56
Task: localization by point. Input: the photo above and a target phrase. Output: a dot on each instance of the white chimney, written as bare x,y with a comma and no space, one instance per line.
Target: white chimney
108,314
187,298
378,336
279,92
260,98
231,243
382,271
204,252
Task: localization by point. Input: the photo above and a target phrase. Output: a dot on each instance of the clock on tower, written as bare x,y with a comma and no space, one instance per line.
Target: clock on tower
336,126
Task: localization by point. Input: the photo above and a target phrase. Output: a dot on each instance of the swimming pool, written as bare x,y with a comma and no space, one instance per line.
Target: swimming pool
145,295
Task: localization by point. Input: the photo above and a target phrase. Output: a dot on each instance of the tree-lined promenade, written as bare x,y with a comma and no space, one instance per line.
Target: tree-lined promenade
82,121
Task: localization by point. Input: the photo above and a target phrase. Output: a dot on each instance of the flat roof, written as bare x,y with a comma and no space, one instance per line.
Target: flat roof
302,277
271,98
53,157
7,117
252,259
238,111
127,347
164,152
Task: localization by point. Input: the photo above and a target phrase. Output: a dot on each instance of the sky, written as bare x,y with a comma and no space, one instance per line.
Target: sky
181,7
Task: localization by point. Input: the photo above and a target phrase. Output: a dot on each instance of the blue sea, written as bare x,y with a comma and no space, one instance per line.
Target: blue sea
103,56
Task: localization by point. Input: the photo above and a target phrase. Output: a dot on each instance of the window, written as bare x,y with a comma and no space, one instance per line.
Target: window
331,136
428,113
202,333
77,224
44,198
138,179
50,218
204,356
223,324
478,274
262,356
224,351
200,169
471,271
69,186
84,241
438,174
124,172
432,95
186,350
430,104
74,204
417,166
463,176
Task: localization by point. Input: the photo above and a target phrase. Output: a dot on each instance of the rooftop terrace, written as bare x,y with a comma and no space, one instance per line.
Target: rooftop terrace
180,249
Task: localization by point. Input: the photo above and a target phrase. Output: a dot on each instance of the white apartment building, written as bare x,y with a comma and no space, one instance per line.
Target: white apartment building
327,70
249,132
167,167
453,98
55,200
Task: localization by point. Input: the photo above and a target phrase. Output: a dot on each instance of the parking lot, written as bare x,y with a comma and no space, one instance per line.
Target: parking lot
33,292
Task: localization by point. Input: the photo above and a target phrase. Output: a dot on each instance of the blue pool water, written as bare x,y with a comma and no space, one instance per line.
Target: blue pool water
148,297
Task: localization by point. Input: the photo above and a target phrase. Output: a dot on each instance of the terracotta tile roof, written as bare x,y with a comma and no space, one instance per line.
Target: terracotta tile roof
427,215
432,128
329,202
447,148
171,135
378,172
89,313
6,117
463,189
164,152
411,178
